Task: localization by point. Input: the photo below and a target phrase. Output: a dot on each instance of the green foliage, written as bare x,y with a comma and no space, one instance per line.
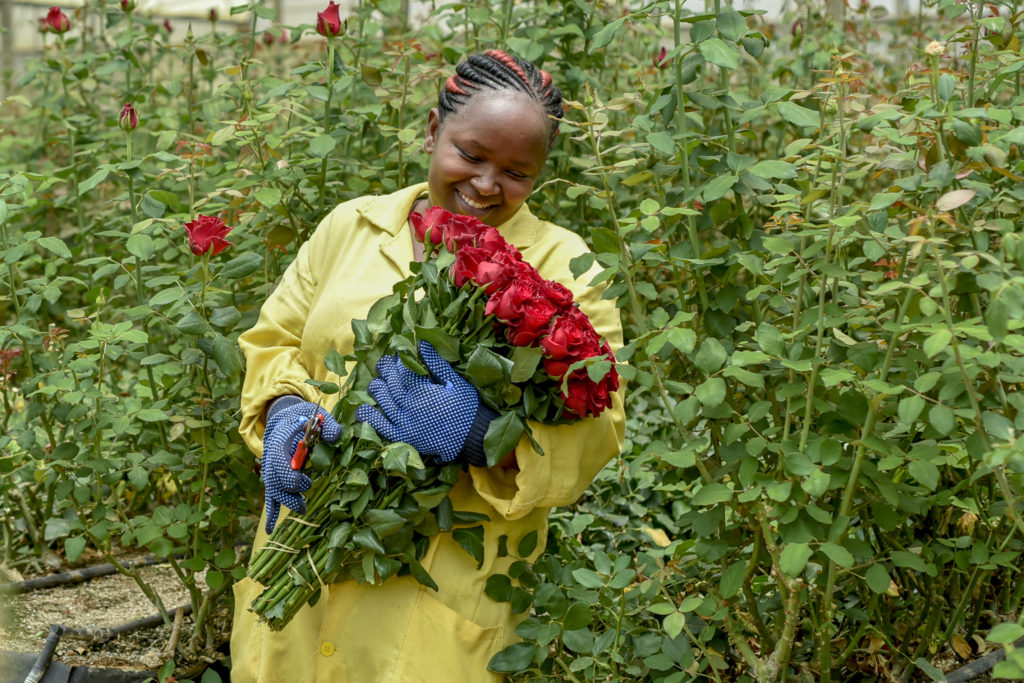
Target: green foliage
815,247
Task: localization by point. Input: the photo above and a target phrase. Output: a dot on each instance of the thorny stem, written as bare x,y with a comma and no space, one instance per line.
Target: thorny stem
684,152
71,137
978,7
327,121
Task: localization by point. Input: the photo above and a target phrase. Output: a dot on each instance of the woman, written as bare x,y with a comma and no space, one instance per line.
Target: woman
488,139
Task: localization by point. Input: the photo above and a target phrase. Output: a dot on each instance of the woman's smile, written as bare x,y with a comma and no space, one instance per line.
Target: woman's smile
486,157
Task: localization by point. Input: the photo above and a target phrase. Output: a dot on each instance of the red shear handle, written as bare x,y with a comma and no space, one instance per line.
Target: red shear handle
299,458
312,435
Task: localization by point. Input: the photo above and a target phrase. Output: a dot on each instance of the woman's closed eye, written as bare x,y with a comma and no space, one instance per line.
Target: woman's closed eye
467,156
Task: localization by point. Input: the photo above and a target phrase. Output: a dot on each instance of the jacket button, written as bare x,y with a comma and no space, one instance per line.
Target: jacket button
326,649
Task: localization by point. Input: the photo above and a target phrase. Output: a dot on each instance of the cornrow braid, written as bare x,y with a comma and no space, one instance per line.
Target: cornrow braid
498,70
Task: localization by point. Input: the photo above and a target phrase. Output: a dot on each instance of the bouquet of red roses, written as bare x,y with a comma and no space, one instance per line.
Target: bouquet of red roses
527,348
532,311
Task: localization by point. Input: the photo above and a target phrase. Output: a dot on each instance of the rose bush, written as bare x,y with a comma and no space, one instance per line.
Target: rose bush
815,247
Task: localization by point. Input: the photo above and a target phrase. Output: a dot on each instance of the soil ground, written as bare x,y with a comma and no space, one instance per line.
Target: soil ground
107,601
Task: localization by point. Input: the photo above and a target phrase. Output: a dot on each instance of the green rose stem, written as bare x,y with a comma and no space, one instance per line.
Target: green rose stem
71,133
139,289
401,119
206,391
976,31
327,122
835,204
128,48
684,153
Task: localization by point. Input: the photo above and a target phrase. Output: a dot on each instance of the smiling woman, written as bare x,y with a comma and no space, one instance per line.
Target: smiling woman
488,139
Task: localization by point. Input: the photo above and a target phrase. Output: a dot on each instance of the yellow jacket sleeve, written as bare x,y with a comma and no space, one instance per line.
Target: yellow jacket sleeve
275,364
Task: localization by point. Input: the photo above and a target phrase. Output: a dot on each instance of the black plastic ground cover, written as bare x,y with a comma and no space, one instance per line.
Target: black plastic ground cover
15,666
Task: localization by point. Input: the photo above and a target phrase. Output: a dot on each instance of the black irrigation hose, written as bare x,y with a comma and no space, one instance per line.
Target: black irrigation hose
75,576
979,666
92,634
43,662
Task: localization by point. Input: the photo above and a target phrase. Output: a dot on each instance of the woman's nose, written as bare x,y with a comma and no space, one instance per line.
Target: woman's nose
485,184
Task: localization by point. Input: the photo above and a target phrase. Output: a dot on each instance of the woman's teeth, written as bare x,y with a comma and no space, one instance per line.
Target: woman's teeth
472,204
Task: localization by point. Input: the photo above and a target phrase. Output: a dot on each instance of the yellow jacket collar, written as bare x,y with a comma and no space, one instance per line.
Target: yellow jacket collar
390,213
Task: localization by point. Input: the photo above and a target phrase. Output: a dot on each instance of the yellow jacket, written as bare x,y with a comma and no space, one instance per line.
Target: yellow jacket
401,631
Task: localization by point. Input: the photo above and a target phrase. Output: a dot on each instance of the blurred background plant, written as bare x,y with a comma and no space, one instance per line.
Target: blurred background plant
811,227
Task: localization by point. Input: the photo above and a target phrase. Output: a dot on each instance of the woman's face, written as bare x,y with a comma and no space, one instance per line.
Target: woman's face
487,156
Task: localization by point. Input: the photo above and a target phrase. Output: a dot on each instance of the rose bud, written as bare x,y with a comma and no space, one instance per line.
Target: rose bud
127,6
57,20
328,22
660,59
213,15
167,25
207,232
128,119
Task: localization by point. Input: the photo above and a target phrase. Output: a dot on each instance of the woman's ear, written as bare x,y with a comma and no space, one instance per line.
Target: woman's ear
433,127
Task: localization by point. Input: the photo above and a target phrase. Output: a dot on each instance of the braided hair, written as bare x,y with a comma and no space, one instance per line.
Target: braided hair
498,70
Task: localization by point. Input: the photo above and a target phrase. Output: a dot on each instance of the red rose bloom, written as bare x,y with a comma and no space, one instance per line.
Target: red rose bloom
453,229
490,239
487,268
207,232
535,318
57,21
507,303
328,22
468,261
571,337
585,397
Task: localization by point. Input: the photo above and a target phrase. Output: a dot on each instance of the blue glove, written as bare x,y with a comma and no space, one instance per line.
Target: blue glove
439,415
286,421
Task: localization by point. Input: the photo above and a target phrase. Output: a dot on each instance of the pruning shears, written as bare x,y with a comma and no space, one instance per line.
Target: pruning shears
310,435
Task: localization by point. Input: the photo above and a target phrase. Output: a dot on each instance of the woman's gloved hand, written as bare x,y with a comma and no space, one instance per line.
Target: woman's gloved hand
286,422
439,415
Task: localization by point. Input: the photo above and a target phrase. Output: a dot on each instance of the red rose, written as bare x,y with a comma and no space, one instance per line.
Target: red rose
328,22
507,303
467,264
213,15
460,230
490,239
128,119
534,319
500,268
660,58
207,232
557,293
584,397
571,337
428,223
167,26
57,21
127,5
